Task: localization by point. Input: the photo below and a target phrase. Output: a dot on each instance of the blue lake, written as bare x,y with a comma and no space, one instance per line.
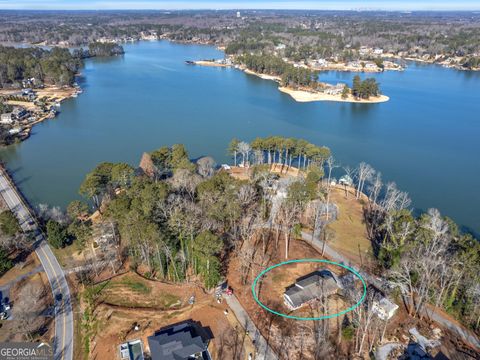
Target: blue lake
426,138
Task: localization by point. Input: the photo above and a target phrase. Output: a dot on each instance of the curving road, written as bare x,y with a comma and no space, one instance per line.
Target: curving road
63,340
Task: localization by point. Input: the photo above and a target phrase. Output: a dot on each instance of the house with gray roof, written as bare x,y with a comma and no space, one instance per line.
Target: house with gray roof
311,287
183,341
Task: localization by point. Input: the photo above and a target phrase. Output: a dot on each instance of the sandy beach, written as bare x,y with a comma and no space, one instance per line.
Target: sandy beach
210,63
263,76
52,93
307,96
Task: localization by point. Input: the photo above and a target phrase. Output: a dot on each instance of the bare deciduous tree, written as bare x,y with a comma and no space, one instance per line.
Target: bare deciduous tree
206,166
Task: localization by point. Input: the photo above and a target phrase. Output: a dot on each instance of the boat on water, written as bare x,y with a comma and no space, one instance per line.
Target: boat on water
190,62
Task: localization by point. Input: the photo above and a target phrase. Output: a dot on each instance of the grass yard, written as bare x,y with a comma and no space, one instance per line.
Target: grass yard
350,231
69,256
136,286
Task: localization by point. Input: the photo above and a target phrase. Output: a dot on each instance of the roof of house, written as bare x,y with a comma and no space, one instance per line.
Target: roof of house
312,286
387,305
178,342
131,350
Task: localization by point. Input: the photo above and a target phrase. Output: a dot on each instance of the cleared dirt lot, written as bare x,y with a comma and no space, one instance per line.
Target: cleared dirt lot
130,300
287,336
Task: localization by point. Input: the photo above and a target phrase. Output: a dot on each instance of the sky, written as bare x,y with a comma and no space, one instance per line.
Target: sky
401,5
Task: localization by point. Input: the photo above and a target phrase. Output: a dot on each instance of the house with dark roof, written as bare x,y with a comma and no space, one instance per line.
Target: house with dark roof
311,287
182,341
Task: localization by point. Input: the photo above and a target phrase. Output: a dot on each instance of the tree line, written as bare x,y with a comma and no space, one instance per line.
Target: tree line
280,150
306,36
57,66
177,220
472,62
363,89
427,258
104,49
272,65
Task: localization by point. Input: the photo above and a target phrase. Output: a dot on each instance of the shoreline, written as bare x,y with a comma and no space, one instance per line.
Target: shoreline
210,63
261,76
308,96
221,47
311,96
54,97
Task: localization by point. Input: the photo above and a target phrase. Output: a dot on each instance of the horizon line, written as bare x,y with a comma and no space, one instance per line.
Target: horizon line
250,9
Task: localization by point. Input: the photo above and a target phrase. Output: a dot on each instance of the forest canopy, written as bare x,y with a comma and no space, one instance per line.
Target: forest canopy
104,49
56,66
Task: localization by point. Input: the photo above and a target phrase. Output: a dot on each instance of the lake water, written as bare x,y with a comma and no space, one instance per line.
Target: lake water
426,138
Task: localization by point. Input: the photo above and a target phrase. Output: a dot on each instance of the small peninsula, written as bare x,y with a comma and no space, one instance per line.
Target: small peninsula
300,82
303,84
309,96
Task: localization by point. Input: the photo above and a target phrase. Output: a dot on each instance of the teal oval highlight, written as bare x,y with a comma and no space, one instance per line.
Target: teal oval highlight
255,282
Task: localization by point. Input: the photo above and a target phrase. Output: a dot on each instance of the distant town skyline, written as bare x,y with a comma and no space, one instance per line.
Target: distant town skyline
391,5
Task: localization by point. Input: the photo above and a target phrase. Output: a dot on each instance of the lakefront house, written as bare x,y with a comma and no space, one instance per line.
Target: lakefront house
310,288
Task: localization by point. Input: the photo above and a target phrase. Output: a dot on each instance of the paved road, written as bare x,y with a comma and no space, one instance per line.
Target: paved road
63,341
337,257
264,351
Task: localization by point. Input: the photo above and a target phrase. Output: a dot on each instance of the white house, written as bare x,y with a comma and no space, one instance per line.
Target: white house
354,64
364,50
335,90
322,62
384,308
6,119
345,180
15,131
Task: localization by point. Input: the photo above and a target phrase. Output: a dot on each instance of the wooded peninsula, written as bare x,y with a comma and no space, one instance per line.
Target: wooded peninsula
190,222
